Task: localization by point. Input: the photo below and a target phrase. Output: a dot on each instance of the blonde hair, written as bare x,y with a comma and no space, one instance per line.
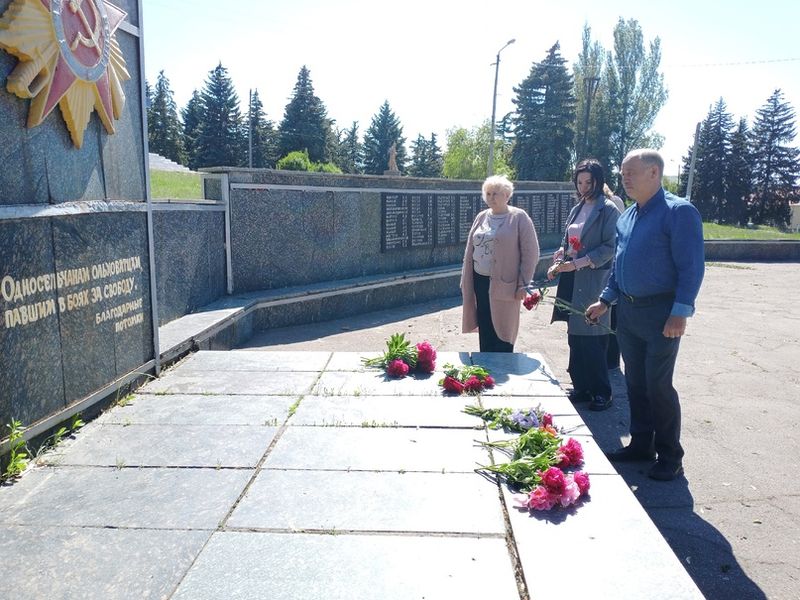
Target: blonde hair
607,191
498,181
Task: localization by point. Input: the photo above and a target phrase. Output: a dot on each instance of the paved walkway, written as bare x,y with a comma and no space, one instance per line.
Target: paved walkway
286,475
734,521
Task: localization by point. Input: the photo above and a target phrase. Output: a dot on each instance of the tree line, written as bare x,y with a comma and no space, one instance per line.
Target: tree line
603,106
745,174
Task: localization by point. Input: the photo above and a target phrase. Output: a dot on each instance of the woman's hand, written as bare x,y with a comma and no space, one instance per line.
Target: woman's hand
567,267
553,271
521,293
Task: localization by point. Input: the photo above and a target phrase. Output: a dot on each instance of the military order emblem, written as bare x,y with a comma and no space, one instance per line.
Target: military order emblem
68,55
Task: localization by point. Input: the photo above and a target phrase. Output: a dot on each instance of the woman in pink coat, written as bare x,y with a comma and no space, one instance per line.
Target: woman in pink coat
499,261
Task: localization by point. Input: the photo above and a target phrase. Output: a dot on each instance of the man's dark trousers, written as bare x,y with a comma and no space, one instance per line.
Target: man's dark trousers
649,365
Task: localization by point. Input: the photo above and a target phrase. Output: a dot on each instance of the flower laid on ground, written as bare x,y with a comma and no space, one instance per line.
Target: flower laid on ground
401,357
575,243
538,458
470,379
426,357
509,419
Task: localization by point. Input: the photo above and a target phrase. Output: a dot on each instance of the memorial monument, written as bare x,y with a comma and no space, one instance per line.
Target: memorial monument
75,248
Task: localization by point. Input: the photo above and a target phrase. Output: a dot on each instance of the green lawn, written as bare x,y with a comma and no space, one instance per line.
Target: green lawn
713,231
175,185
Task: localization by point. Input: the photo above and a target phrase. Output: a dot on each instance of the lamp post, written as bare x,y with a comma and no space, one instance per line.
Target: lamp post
589,87
490,166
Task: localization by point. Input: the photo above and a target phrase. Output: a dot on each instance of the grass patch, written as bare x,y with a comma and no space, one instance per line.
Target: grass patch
175,185
715,231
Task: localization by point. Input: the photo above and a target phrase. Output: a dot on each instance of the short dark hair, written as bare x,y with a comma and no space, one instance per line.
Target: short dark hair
595,169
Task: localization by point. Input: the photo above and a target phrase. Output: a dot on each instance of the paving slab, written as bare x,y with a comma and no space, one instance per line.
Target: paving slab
369,501
254,360
279,566
187,409
352,361
529,365
165,446
596,539
111,497
94,563
410,411
378,449
557,404
222,382
375,383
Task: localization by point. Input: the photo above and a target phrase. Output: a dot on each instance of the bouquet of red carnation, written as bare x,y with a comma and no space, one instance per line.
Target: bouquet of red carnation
533,299
401,357
468,379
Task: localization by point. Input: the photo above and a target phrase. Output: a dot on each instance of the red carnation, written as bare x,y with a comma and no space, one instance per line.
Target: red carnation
547,419
472,384
451,384
397,368
533,300
575,243
488,381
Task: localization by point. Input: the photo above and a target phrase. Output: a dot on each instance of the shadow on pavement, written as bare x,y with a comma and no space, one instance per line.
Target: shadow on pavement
703,551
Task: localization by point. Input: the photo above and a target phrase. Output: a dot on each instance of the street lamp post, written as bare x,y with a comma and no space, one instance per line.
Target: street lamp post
490,166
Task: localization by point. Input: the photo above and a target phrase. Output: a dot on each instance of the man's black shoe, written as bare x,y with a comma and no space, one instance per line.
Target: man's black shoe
600,403
664,471
576,396
631,454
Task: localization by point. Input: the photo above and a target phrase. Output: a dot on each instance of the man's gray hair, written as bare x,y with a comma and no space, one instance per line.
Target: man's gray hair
649,157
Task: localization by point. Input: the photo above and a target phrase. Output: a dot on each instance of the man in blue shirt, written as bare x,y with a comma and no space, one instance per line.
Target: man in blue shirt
655,279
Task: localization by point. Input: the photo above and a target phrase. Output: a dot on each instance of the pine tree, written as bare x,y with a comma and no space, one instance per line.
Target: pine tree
635,91
192,116
426,157
710,188
545,120
351,157
305,124
263,137
776,164
384,131
739,177
219,142
164,133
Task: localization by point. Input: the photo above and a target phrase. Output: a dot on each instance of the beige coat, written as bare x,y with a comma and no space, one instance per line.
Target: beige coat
516,254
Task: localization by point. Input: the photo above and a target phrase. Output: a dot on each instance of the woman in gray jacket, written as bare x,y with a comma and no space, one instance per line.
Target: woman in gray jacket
584,264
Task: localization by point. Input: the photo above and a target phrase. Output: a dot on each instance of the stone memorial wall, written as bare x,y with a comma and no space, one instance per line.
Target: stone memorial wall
359,224
75,281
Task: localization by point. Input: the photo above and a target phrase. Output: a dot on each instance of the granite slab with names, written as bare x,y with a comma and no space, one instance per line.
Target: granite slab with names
260,474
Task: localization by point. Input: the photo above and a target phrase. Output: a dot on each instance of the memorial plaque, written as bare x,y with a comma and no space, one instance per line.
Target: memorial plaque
421,220
537,212
468,208
395,227
552,214
446,220
522,201
566,206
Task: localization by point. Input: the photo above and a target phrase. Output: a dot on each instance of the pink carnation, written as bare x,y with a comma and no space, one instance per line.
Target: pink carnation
553,479
571,453
426,353
451,384
547,419
488,381
570,494
541,499
397,368
582,481
472,384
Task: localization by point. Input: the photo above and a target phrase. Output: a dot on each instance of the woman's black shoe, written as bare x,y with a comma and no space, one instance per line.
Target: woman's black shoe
576,396
600,403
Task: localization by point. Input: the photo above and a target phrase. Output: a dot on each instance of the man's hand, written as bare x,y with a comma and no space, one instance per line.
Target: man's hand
675,326
594,312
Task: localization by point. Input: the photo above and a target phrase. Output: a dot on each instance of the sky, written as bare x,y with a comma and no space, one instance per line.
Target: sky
433,59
